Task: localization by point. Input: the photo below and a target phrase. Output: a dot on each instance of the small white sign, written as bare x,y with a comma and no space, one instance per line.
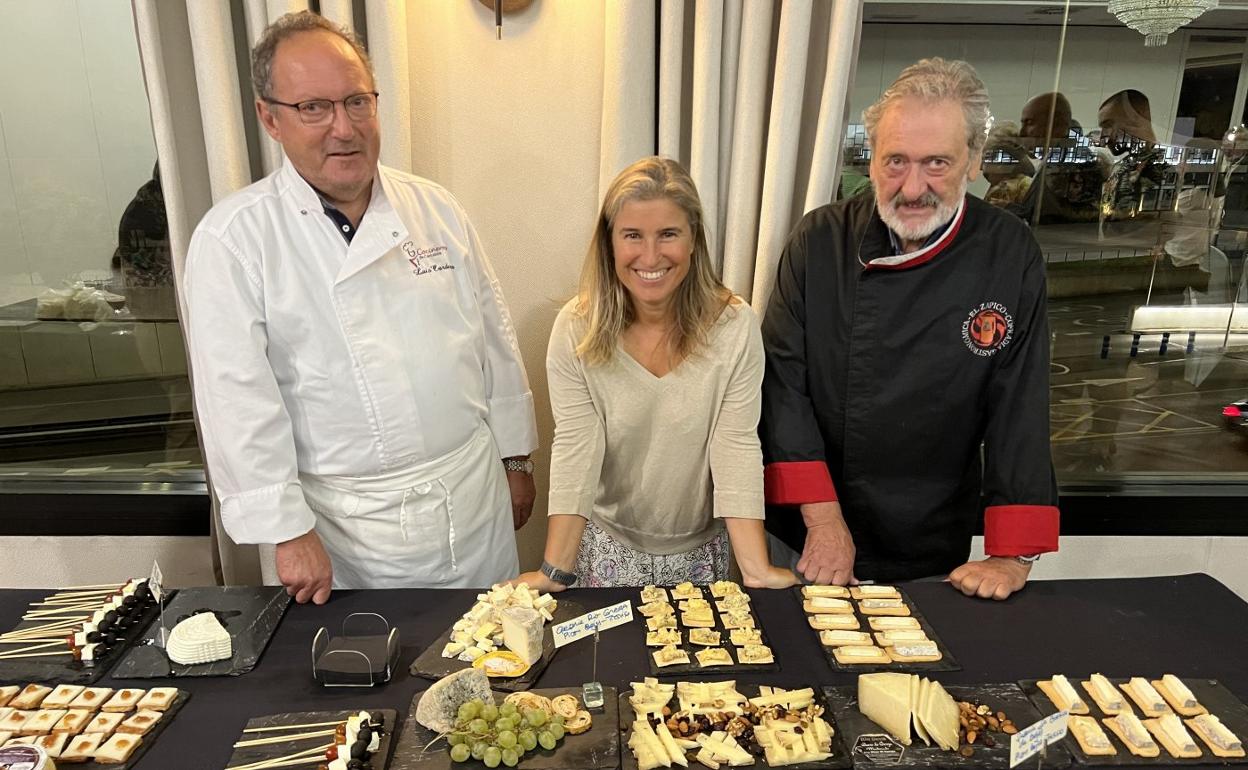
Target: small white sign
155,580
1026,743
597,620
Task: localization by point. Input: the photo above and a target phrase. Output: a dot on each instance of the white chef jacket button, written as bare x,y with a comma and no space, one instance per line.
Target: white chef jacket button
423,489
394,234
346,228
304,212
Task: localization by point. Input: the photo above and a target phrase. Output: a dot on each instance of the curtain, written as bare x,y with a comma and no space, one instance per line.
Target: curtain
196,68
751,96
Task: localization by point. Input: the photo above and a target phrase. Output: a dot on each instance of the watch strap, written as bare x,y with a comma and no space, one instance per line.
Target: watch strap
558,575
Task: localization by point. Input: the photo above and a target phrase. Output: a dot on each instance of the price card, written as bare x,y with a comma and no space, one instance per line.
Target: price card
585,625
1031,739
158,592
879,749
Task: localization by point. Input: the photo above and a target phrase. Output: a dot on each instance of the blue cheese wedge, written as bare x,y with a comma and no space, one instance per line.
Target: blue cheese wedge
438,707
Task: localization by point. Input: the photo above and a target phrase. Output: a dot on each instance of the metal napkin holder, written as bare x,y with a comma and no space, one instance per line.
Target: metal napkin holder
355,659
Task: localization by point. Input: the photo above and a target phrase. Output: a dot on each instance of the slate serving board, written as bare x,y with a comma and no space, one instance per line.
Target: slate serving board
1005,697
248,754
839,760
144,744
250,613
692,668
64,669
1220,701
596,749
946,663
431,665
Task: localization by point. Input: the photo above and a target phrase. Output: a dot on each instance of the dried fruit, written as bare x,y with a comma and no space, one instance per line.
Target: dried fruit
966,751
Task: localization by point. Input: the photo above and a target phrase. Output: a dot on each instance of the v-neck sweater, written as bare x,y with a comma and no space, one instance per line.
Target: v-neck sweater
652,460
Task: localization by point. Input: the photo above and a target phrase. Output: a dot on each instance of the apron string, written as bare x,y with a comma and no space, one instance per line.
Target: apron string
450,523
403,514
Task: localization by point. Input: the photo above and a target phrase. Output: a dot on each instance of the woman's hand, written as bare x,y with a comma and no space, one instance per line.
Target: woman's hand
771,577
539,582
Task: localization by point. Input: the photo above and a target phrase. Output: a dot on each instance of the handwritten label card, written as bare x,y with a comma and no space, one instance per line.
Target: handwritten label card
1033,738
585,625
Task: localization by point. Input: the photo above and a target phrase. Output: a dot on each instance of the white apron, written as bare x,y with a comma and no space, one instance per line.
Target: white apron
444,523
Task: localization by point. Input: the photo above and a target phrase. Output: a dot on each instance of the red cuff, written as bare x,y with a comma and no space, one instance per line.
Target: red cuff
1020,530
798,483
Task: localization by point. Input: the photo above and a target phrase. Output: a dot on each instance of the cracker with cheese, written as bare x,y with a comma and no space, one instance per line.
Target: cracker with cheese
842,637
1177,694
670,655
826,622
743,636
722,588
661,621
686,590
1059,690
1107,697
755,654
900,636
860,654
1169,731
653,594
874,592
1146,697
1090,737
731,620
713,656
1133,734
698,618
705,637
663,637
656,607
883,607
1220,740
914,652
831,592
827,605
890,623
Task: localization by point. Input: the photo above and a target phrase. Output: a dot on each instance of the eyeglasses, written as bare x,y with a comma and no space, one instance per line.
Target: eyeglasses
320,112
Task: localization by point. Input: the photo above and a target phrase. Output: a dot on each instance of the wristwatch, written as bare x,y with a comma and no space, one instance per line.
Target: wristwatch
1029,559
558,575
520,464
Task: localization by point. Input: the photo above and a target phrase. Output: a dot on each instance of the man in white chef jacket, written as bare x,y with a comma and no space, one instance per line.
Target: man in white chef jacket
363,403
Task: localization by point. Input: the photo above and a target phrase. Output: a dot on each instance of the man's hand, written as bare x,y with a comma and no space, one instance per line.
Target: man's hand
539,582
523,493
304,568
993,578
828,556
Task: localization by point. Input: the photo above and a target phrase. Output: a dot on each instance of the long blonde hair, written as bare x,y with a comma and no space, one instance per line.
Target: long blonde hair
604,302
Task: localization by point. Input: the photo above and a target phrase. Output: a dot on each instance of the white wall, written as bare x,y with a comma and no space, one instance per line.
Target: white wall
75,138
1018,62
511,127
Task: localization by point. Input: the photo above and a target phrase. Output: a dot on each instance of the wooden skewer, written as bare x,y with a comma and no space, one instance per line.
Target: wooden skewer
94,587
36,630
10,656
283,738
58,615
277,761
29,639
292,727
289,763
40,646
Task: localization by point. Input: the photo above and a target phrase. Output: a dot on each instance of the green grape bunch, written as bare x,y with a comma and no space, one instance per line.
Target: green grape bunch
502,734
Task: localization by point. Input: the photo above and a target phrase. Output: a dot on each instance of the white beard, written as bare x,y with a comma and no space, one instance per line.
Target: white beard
942,212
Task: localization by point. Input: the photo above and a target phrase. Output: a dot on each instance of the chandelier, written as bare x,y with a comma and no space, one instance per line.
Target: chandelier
1156,19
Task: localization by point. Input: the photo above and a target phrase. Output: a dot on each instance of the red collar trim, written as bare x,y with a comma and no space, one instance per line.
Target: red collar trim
925,254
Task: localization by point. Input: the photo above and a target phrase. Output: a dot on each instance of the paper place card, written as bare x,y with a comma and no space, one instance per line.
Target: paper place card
585,625
1031,739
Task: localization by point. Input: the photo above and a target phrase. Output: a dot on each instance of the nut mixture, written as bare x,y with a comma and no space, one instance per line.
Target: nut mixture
976,725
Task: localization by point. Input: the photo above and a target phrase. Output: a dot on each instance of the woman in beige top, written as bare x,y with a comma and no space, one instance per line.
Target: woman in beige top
655,373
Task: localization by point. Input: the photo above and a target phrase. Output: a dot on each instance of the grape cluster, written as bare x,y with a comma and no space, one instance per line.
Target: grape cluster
501,734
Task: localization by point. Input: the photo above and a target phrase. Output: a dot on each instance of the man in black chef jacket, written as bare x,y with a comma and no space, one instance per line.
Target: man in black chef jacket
907,328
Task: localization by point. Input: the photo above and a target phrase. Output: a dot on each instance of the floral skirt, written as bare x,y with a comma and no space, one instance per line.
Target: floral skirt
604,562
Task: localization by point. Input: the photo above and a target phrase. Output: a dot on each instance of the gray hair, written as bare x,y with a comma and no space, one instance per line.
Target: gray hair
288,25
939,79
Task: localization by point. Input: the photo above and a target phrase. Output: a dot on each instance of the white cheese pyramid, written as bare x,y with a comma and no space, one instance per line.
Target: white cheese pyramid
199,639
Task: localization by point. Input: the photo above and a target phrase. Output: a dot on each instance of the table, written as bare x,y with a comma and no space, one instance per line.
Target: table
1190,625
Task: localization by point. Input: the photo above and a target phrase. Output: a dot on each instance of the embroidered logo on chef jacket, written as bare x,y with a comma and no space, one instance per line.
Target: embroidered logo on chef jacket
987,329
426,259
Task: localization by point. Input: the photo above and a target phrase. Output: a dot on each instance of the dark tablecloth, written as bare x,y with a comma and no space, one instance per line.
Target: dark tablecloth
1190,625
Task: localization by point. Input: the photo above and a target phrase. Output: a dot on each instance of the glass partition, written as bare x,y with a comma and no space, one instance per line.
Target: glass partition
93,382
